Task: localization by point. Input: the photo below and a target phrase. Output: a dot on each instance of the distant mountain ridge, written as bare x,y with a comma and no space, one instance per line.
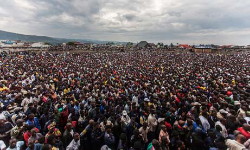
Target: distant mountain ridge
4,35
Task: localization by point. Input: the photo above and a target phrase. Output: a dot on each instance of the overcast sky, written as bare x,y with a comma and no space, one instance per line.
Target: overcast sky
177,21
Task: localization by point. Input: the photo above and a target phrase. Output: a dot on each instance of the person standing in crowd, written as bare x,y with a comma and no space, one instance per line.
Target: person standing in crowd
164,133
75,143
67,135
144,132
18,131
14,145
5,129
109,138
237,144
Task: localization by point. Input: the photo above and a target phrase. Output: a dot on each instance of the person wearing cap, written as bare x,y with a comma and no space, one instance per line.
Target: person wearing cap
125,119
222,114
52,131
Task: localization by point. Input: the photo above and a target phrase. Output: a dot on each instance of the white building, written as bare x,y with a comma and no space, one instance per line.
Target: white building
40,45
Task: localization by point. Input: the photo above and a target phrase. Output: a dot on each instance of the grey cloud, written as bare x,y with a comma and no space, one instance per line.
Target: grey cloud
182,21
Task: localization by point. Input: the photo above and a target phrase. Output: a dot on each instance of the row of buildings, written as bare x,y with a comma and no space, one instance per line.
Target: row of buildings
143,45
21,44
193,48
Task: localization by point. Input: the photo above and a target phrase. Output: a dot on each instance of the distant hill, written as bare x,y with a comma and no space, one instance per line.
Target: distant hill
34,38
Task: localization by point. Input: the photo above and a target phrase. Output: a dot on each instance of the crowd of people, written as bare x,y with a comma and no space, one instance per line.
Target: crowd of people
152,100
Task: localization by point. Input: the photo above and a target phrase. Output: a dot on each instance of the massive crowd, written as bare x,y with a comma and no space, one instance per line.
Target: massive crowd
125,101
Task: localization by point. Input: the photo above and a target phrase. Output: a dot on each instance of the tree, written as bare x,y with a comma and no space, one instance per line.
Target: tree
171,45
129,44
71,43
47,43
160,45
110,43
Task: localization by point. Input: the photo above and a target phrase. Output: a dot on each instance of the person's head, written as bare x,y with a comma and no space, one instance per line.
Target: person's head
123,137
246,127
156,144
180,145
145,125
96,125
243,107
76,136
30,105
19,122
41,140
136,133
164,128
223,121
47,147
33,132
2,122
13,142
91,122
51,127
152,111
51,139
204,114
138,145
164,139
31,144
240,138
108,129
31,116
218,128
189,122
68,126
124,113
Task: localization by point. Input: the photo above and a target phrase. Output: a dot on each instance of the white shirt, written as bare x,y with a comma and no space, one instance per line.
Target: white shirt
125,119
205,123
152,122
144,133
224,130
73,145
234,145
19,144
2,145
135,100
